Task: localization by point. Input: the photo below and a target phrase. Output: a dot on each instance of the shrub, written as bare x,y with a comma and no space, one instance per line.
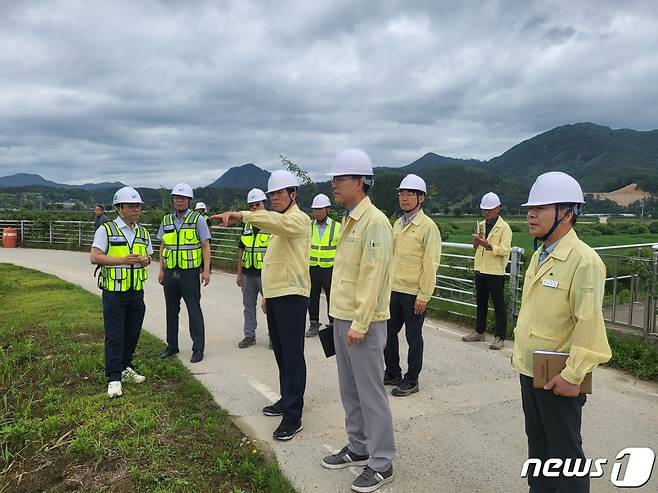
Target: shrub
653,227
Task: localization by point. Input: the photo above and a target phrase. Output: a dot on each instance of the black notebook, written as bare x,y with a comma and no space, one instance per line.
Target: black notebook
327,341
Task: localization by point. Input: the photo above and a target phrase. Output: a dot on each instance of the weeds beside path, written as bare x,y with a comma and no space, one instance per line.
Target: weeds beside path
60,432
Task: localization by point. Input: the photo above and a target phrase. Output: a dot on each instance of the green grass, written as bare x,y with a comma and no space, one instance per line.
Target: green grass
634,356
59,431
617,232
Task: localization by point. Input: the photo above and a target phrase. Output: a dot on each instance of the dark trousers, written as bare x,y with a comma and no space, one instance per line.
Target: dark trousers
487,285
552,424
123,314
320,279
402,313
286,319
184,283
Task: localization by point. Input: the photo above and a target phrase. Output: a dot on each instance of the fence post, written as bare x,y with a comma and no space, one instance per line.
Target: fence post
514,271
50,232
79,233
22,232
651,295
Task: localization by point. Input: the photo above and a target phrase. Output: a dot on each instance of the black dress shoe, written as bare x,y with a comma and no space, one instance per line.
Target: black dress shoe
286,431
405,388
168,353
196,357
390,380
275,409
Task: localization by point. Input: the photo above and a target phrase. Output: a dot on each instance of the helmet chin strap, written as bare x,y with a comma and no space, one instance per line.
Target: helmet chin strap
289,203
409,210
556,222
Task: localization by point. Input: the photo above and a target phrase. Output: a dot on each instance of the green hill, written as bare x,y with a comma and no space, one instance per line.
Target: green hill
601,158
247,176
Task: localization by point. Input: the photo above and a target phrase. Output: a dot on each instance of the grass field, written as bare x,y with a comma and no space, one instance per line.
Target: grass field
60,432
617,232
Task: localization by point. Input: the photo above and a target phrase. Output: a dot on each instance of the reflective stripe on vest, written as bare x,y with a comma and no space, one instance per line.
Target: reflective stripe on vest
113,278
323,250
254,248
181,248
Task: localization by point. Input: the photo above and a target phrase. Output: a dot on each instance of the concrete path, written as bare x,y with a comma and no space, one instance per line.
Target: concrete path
462,433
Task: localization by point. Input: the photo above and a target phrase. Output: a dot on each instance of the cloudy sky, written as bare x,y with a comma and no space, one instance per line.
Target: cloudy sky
154,92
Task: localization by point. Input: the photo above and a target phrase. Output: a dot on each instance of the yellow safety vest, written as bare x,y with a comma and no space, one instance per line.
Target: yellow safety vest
182,247
323,250
114,278
254,247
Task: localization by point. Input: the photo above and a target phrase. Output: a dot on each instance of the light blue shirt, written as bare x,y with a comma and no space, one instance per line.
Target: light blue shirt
322,226
546,251
202,230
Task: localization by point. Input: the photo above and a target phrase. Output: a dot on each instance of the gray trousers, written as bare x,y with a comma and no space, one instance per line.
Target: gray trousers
251,286
368,419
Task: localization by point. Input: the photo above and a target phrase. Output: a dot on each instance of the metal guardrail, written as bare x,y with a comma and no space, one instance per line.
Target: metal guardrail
80,234
636,277
454,281
460,289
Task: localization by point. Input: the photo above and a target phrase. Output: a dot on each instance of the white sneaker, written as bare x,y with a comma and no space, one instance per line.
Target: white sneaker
131,376
114,389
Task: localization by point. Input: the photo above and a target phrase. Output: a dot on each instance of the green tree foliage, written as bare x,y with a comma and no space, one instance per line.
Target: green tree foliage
301,174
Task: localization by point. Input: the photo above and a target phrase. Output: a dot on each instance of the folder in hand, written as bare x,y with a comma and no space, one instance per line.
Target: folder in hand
327,340
547,364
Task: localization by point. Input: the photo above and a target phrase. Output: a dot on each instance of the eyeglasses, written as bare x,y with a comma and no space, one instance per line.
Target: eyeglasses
406,194
341,179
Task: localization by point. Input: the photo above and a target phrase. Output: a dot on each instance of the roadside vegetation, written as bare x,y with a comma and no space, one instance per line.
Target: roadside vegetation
60,432
634,356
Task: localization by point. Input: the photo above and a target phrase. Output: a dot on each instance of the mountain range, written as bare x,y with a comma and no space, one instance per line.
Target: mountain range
602,159
30,179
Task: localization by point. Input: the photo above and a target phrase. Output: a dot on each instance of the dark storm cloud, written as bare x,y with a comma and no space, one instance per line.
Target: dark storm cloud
150,92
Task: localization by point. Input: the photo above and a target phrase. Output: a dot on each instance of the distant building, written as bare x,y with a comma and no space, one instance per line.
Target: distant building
66,206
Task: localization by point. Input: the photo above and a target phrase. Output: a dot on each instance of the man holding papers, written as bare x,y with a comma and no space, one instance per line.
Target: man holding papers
561,311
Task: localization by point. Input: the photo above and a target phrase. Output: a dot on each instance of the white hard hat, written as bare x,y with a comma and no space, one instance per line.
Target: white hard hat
555,187
255,195
351,162
127,195
489,201
200,205
413,182
183,189
280,179
320,201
